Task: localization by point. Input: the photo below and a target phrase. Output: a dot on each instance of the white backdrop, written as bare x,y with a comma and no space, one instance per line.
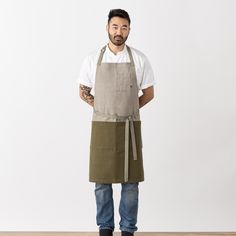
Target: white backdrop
188,129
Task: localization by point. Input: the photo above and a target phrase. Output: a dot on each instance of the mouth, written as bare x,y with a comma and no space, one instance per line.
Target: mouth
118,38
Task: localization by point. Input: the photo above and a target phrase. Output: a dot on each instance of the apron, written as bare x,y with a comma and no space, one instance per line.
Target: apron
116,142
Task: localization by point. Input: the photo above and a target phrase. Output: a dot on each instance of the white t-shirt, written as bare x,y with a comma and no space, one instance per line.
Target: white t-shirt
144,72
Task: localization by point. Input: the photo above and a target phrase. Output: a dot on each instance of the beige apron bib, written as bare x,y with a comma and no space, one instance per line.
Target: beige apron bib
116,142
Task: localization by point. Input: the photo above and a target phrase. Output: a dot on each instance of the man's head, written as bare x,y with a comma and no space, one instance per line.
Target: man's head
118,26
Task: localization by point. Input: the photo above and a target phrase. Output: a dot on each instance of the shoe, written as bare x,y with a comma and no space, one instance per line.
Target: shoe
105,232
125,233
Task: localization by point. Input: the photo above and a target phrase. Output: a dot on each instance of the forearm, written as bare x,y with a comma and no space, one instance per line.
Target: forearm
148,95
144,99
85,94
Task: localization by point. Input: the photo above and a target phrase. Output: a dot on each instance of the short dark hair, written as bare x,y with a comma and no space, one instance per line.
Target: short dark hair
120,13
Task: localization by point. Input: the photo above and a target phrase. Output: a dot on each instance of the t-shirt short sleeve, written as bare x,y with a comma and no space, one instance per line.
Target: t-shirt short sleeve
148,78
85,73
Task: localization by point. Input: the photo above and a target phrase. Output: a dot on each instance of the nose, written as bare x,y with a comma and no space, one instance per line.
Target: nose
119,31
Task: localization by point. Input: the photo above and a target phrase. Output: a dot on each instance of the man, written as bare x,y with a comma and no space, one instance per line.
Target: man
117,73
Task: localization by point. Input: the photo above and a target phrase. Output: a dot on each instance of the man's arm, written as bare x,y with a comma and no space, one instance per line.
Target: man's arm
148,95
85,95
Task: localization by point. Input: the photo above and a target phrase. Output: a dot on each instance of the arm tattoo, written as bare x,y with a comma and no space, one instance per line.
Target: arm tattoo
85,94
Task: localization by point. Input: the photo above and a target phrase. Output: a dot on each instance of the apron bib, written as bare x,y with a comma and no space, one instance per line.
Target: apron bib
116,142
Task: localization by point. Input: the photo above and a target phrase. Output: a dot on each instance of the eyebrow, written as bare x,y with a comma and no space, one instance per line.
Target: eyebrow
121,26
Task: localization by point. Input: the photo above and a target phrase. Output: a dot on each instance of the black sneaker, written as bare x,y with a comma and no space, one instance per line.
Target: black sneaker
105,232
125,233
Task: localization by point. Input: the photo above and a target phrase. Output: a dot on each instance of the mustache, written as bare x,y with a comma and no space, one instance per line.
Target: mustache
118,36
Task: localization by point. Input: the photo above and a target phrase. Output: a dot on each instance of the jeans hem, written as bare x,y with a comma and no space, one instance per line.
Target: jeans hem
106,227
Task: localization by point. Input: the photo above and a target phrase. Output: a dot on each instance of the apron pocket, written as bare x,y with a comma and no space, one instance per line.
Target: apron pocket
103,135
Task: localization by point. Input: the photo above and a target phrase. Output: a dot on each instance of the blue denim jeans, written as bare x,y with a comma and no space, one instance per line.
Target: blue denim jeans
128,207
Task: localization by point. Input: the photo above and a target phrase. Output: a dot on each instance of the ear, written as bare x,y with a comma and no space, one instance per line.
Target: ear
107,27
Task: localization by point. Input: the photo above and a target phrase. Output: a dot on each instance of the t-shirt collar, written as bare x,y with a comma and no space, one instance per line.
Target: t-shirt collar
118,53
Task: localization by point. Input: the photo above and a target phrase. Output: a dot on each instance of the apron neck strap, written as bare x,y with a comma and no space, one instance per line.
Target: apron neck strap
130,55
101,55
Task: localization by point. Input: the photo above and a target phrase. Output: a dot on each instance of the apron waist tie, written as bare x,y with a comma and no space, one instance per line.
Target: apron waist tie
129,125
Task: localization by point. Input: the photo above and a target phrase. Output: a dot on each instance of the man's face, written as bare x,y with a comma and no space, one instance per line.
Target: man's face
118,30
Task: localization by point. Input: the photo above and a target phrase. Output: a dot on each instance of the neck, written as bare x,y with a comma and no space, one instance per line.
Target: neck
115,48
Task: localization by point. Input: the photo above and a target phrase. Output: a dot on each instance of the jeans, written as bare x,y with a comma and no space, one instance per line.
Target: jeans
128,207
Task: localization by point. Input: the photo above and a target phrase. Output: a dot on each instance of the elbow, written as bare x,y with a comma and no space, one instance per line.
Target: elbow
151,97
81,95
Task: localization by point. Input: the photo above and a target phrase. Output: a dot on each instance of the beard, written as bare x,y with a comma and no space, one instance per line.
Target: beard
117,40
